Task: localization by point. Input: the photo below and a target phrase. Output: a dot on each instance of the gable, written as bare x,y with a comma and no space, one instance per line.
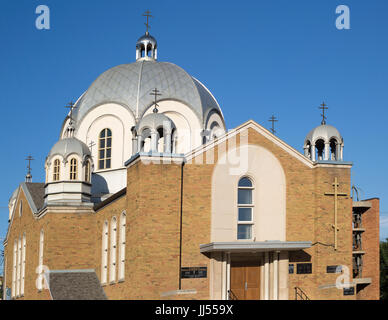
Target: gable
244,130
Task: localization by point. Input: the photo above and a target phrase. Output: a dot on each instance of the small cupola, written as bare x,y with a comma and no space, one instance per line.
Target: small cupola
324,143
155,133
69,166
147,48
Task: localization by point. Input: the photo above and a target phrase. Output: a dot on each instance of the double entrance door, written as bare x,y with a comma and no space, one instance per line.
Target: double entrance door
245,280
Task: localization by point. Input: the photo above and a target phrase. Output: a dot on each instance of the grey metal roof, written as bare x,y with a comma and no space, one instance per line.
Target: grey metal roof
258,246
68,146
155,121
147,38
130,85
35,195
325,132
75,285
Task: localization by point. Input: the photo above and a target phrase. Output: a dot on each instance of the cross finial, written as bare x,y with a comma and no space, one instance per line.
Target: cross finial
273,120
323,107
148,15
71,106
155,93
29,176
91,145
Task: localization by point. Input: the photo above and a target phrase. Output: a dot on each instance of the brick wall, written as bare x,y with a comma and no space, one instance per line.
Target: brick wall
371,246
153,216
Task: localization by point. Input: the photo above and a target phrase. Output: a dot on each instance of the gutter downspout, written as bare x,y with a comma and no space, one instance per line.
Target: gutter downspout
180,229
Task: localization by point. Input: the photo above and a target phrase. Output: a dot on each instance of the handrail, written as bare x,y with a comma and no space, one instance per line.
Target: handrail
232,296
301,294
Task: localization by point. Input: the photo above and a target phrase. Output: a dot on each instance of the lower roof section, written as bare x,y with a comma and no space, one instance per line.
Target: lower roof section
74,285
257,246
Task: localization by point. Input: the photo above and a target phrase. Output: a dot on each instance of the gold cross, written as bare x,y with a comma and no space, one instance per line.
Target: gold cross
336,194
148,15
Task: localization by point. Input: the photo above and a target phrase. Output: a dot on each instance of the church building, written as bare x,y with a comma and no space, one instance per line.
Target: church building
147,195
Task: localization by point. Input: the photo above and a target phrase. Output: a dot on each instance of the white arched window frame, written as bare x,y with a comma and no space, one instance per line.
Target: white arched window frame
113,250
105,149
24,244
87,171
14,268
73,169
21,208
56,170
19,267
40,266
123,219
245,207
104,253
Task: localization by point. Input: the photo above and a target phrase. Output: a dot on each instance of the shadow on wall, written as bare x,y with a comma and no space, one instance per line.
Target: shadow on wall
99,187
299,256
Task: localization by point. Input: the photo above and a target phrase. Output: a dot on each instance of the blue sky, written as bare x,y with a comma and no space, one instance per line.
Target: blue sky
257,57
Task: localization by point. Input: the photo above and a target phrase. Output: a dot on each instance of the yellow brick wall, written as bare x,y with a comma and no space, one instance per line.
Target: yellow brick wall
152,204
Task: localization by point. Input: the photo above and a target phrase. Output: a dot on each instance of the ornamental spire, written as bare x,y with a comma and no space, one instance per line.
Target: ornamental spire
273,120
70,128
148,15
29,176
323,107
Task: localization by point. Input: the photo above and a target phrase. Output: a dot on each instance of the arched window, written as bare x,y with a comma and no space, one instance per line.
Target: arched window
20,208
105,149
122,246
19,267
113,248
73,169
23,264
333,150
40,266
56,170
14,268
87,171
104,260
245,209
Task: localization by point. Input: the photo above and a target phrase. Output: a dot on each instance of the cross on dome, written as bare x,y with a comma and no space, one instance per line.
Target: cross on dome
155,92
148,15
323,107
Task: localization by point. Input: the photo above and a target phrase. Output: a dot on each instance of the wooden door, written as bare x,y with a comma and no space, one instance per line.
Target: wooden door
245,280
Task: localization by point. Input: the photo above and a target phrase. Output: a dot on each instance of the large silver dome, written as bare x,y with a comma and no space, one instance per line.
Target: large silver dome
130,85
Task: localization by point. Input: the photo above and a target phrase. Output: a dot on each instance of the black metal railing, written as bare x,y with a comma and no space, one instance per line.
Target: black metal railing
300,294
231,295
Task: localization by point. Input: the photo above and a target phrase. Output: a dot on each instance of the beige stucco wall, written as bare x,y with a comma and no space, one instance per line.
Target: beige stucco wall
269,195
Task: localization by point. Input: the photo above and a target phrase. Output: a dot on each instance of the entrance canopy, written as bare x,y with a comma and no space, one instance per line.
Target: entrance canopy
257,246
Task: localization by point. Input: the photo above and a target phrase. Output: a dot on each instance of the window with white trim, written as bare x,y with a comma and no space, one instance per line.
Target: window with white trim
87,171
56,170
20,208
122,246
104,258
23,275
105,149
245,209
19,268
113,248
15,254
73,169
40,267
